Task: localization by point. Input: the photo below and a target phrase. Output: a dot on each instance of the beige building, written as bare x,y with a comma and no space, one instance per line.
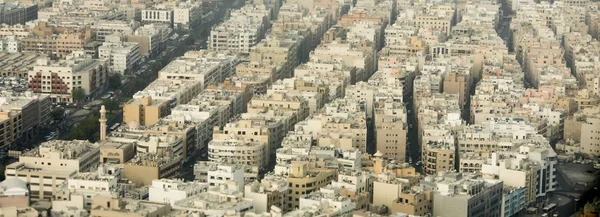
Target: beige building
106,206
52,163
22,115
115,152
584,127
415,201
56,41
303,180
438,157
249,153
458,83
281,101
144,111
272,190
17,64
279,50
144,168
61,78
390,131
154,102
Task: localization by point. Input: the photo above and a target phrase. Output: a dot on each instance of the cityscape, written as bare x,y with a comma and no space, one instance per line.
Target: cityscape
299,108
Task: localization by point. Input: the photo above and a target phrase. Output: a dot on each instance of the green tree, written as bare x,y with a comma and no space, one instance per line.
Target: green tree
111,105
86,129
78,94
114,82
57,113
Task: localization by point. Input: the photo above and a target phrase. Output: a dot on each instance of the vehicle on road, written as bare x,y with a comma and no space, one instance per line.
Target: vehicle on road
550,208
87,107
115,126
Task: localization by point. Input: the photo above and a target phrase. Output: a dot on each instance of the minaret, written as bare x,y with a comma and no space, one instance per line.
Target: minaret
102,123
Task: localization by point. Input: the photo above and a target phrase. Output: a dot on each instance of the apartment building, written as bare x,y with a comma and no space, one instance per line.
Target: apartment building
17,64
60,78
332,197
52,163
277,49
221,200
154,102
304,179
105,206
22,115
12,14
150,37
169,191
456,192
515,172
206,67
250,153
438,157
145,167
390,130
158,14
121,56
280,101
89,185
56,41
315,95
582,127
245,28
272,190
103,28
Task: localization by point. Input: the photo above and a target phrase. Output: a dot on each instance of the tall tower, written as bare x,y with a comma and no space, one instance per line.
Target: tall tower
102,123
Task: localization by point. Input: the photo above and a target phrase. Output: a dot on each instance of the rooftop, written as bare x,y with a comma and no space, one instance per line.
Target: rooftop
72,150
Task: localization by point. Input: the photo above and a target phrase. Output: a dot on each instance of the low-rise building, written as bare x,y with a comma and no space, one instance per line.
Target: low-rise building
144,168
272,190
61,78
169,191
122,57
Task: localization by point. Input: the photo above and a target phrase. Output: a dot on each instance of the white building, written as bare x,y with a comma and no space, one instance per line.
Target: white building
121,56
331,196
158,15
171,191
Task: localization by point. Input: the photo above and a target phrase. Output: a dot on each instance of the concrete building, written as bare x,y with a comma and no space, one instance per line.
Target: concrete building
121,56
60,78
460,194
239,151
216,173
105,206
331,196
154,102
218,201
458,83
150,37
89,185
76,155
12,14
158,14
17,64
116,152
48,166
390,130
22,115
304,179
170,191
104,28
272,190
56,41
144,168
14,193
